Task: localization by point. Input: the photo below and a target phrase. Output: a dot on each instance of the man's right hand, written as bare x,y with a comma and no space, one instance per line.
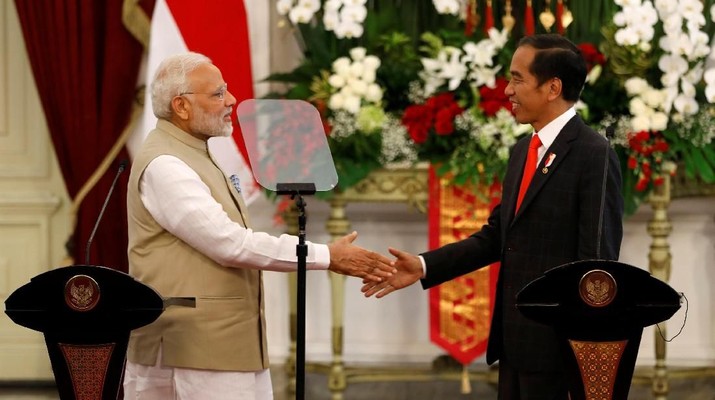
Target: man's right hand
409,271
348,259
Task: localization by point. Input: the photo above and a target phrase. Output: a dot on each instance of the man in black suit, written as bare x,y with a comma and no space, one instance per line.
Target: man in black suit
571,210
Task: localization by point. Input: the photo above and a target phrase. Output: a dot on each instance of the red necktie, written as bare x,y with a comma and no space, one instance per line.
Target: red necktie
529,168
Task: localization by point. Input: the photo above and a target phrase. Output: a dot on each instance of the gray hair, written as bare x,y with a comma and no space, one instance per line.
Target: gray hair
170,80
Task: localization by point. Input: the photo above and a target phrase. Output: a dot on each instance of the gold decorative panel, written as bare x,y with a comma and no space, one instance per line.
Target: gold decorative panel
598,363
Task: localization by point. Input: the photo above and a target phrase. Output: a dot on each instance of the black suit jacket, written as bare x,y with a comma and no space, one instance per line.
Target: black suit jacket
572,211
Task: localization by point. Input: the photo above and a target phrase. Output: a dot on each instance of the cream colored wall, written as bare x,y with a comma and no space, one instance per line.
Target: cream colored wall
33,202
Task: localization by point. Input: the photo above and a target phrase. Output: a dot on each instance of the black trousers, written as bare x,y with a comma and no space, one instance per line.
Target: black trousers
529,385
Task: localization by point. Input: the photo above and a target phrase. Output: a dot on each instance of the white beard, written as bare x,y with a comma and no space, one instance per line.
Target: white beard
211,126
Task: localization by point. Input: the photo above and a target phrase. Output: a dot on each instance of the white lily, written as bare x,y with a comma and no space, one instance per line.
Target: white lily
658,121
636,85
354,13
300,15
484,76
373,93
348,29
686,105
447,6
284,6
331,20
640,123
357,53
454,71
336,81
341,65
372,62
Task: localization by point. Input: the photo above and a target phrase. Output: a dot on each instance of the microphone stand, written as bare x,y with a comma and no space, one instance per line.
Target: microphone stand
296,191
122,166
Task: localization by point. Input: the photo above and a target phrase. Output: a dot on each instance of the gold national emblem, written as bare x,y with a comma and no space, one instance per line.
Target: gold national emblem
597,288
81,293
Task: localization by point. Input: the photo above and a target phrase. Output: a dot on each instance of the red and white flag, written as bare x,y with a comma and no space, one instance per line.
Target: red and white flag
219,30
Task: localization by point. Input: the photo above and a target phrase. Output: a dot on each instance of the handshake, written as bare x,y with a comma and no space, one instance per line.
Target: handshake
381,276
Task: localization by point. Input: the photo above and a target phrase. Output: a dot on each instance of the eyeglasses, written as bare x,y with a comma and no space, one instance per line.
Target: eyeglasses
218,95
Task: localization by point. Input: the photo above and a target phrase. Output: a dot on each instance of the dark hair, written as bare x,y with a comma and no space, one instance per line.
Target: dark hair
557,57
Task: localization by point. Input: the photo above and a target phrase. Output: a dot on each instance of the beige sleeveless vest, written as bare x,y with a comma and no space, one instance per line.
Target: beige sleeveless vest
226,330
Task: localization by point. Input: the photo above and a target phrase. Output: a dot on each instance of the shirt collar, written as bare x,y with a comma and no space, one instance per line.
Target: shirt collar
181,135
548,133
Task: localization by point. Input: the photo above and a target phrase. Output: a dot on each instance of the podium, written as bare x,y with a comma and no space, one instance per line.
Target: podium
86,314
598,309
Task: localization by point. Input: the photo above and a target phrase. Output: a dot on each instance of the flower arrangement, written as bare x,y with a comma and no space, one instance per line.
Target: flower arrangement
659,61
402,82
460,119
395,89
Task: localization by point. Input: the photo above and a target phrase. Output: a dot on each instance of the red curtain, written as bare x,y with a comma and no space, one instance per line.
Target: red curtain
85,65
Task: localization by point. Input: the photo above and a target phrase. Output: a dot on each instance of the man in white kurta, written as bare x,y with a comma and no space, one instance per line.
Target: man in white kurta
189,235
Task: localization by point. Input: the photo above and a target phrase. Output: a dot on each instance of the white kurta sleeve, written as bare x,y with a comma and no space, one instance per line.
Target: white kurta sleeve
181,203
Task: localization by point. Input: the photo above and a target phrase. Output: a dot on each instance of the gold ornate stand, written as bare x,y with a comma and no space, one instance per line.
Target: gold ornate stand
659,259
659,227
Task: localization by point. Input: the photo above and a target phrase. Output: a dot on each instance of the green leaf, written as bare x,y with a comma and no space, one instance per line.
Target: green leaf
702,167
709,153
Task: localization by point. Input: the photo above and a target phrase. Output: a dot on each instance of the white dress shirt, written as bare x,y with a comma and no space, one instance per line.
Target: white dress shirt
548,133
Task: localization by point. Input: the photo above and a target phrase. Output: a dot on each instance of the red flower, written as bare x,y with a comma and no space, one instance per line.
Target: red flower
443,122
494,99
642,184
438,112
642,136
591,55
418,120
646,169
442,100
322,108
661,145
632,162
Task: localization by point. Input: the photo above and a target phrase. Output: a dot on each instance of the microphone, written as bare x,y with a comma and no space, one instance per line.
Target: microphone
610,132
122,166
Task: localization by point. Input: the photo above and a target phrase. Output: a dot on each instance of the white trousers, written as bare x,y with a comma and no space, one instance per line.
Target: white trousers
143,382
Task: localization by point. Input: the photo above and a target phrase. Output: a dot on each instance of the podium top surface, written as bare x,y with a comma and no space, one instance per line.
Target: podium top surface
598,293
80,296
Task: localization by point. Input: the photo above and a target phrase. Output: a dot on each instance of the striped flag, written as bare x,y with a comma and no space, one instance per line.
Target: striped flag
219,30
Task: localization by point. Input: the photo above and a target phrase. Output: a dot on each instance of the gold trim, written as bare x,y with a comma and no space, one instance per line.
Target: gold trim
136,21
101,170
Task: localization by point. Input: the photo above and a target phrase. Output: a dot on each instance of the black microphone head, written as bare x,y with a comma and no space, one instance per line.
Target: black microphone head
123,165
610,132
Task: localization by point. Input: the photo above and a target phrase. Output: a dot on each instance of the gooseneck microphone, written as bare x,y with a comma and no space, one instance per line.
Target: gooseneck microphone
610,131
122,166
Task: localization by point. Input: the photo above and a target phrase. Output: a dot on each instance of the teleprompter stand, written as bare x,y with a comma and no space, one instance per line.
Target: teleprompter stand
86,313
598,309
289,154
296,191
